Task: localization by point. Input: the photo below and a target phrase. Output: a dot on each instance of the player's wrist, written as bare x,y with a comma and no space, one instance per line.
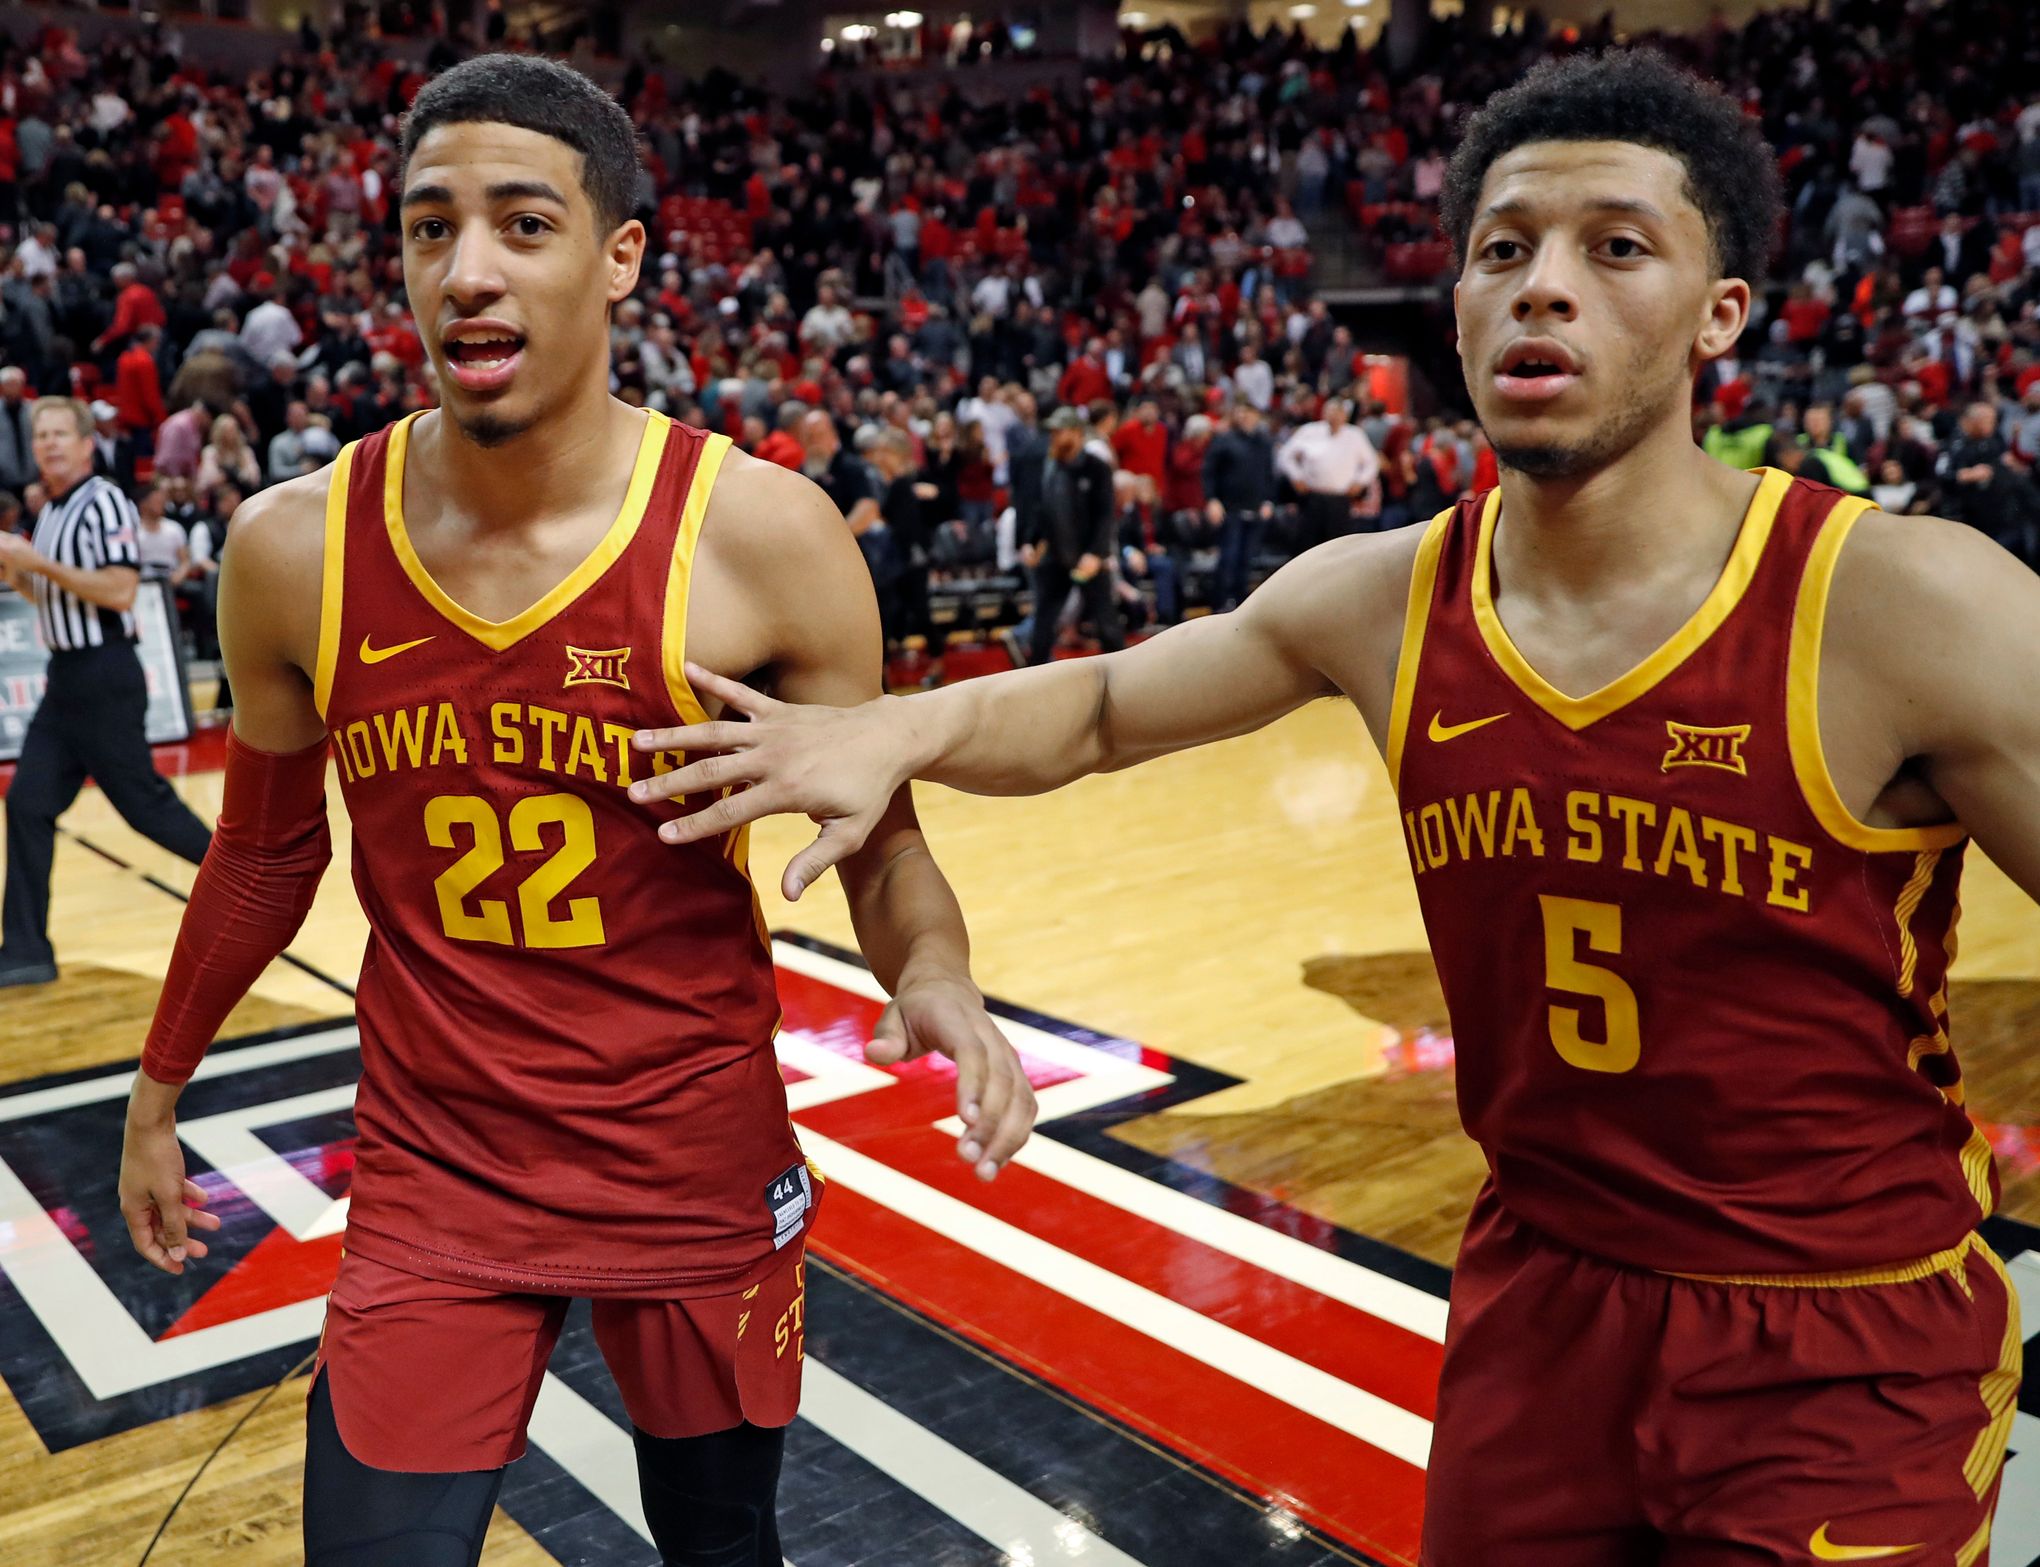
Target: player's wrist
152,1104
920,730
923,976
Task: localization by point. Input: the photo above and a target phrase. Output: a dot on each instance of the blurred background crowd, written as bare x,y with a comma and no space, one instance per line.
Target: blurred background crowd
1077,346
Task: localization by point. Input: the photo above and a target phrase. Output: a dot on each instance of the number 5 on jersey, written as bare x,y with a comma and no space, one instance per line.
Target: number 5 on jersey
488,919
1566,920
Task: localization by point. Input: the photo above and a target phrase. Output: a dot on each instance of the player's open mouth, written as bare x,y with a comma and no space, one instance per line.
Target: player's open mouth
1536,370
483,362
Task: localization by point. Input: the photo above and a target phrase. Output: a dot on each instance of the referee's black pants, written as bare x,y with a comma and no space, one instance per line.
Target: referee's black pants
1323,517
90,723
1052,584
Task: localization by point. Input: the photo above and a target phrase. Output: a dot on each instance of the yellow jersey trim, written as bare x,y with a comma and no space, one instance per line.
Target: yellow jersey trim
331,576
1423,580
497,635
1576,712
2000,1391
1802,706
1949,1261
681,575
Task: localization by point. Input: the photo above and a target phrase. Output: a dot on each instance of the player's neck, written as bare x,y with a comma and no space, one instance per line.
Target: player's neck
1665,508
540,473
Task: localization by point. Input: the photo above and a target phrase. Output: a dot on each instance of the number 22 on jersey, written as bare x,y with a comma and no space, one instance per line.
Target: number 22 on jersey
488,919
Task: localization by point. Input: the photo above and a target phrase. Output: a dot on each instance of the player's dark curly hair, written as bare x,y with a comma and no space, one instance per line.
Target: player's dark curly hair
544,96
1632,95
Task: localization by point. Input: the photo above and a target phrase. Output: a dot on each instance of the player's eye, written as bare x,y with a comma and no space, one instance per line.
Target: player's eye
1622,248
428,229
530,226
1501,250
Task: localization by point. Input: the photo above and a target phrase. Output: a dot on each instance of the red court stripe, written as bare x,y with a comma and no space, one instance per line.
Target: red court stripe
892,1126
1332,1480
1384,1359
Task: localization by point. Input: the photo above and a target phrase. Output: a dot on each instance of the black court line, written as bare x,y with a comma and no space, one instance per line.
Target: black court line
163,886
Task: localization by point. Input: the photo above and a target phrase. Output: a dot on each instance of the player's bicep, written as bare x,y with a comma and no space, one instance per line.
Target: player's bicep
267,592
1218,676
829,644
1962,668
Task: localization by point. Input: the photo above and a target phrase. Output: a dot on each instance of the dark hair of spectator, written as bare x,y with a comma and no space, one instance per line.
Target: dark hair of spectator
1639,96
543,96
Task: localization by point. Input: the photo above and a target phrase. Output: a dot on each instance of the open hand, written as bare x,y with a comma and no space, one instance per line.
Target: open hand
839,766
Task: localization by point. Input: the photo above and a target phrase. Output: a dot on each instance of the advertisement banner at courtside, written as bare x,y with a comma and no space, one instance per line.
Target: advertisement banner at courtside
23,660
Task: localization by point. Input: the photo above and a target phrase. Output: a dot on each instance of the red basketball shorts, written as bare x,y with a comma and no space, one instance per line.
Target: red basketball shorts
1591,1415
430,1377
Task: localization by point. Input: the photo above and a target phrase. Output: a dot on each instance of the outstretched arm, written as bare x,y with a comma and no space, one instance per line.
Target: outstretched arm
1038,729
823,628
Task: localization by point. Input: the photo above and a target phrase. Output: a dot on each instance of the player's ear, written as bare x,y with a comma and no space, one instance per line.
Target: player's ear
1728,315
624,254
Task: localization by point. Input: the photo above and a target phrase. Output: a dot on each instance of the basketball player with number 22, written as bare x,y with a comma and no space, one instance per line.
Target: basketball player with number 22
1686,759
568,1085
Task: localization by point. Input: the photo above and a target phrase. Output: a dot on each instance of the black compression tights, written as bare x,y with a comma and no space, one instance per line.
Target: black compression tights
708,1499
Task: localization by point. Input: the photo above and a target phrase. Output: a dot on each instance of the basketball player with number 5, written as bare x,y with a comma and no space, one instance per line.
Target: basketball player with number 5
1686,759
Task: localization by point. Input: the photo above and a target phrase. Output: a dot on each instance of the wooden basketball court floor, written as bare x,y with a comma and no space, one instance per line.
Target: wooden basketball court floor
1199,1323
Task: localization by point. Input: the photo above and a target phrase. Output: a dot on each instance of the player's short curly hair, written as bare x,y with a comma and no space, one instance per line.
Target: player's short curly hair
1632,95
539,95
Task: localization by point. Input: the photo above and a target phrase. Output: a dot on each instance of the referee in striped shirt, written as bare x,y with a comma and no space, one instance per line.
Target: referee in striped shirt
82,569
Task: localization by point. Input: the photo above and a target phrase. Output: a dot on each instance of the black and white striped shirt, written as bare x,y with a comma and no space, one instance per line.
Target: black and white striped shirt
93,526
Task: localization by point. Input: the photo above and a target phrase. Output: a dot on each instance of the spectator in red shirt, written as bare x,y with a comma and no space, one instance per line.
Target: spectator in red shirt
1805,316
1142,444
134,306
10,170
138,388
1085,381
782,445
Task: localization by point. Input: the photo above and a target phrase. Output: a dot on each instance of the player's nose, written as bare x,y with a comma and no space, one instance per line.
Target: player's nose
1548,286
475,271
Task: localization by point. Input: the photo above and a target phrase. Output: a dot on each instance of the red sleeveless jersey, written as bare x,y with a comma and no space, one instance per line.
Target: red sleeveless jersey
568,1080
1701,1011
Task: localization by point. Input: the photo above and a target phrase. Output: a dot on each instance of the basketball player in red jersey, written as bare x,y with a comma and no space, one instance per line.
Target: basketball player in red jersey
1686,758
568,1086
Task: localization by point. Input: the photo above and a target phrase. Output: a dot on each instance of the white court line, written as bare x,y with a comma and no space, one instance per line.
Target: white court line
1317,1393
829,1076
1133,1075
106,1346
591,1447
980,1498
115,1085
1326,1272
228,1143
601,1457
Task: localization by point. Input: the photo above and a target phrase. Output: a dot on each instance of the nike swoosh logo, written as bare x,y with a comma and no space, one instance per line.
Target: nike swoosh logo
1825,1550
1441,730
375,655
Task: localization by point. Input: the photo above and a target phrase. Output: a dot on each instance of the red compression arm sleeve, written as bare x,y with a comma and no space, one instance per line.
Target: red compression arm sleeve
252,894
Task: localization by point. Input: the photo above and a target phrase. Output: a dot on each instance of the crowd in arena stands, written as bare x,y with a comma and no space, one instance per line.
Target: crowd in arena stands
915,297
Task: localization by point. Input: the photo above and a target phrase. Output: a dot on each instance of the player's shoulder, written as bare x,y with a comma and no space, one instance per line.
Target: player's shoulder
1931,614
1362,573
1902,566
760,510
282,529
1345,598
